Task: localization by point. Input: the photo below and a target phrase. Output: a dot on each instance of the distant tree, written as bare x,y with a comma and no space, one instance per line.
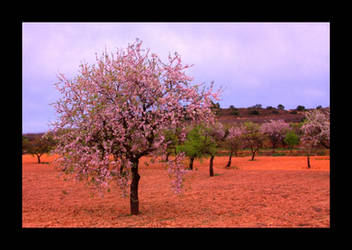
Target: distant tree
291,139
214,137
280,107
253,137
274,111
300,108
39,146
193,146
254,112
215,107
172,139
319,107
25,144
234,111
275,130
257,106
234,141
269,107
316,130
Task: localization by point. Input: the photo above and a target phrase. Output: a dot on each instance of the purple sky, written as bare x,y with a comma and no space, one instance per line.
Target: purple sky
255,63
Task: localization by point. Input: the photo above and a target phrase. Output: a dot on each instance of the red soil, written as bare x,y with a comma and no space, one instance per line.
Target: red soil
267,192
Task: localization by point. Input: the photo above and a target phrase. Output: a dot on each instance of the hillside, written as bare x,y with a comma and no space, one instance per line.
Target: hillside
227,116
258,115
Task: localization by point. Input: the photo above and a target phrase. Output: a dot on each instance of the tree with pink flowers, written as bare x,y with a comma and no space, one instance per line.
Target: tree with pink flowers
253,138
234,141
115,111
316,130
275,130
214,137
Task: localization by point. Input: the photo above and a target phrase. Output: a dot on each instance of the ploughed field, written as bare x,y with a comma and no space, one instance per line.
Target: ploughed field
267,192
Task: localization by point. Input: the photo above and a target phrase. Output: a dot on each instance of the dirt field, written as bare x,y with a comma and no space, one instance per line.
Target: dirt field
267,192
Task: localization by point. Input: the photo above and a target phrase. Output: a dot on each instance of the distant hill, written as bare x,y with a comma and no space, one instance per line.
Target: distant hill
32,136
259,115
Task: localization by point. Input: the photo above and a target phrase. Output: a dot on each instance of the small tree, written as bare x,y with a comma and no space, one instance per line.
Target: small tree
280,107
172,139
234,141
214,137
254,112
253,137
300,108
38,146
194,145
234,111
291,139
25,144
275,130
316,130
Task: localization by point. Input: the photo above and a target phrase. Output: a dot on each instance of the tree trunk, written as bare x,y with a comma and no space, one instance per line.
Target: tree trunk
38,157
229,162
191,163
253,154
308,161
134,202
167,156
211,170
273,149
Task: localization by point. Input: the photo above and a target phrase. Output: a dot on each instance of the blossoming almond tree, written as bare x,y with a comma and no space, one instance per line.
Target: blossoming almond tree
119,107
253,138
316,130
276,131
234,141
214,136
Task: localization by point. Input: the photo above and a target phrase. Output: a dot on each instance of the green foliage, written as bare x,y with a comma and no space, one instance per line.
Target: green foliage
291,139
197,144
234,111
38,145
171,136
281,107
300,108
254,112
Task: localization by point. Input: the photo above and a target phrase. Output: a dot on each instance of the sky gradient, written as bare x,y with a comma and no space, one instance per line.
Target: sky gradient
255,63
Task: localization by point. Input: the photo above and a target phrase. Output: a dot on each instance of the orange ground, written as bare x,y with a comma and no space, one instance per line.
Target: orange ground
267,192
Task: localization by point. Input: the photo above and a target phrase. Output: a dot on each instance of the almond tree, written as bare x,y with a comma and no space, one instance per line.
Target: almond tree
253,138
316,130
120,106
215,136
275,130
234,141
39,146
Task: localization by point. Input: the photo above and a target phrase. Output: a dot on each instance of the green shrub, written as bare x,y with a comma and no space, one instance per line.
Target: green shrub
300,108
275,111
254,112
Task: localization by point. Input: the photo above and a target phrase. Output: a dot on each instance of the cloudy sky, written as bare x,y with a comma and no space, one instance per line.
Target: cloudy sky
255,63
